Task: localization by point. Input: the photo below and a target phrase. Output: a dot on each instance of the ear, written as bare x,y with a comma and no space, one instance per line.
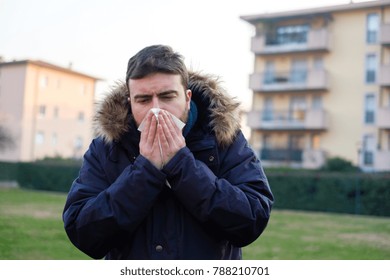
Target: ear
188,98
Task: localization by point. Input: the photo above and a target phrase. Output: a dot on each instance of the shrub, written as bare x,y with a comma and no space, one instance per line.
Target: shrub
353,193
339,165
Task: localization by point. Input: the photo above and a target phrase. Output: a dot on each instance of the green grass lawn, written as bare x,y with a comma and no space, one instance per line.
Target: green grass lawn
294,235
31,228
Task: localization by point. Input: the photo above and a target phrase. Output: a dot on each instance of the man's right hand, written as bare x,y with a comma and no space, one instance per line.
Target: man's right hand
149,145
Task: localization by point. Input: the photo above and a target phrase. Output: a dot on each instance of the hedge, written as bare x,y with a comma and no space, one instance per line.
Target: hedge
8,171
47,177
42,176
353,193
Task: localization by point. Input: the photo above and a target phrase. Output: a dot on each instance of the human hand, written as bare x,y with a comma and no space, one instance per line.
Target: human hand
161,138
170,135
149,143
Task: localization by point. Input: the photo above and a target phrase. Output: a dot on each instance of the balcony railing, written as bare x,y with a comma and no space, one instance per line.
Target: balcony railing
281,154
287,120
384,75
289,81
313,40
385,34
310,159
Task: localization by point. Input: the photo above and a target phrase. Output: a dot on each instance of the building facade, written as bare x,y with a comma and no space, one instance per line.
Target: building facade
321,86
47,110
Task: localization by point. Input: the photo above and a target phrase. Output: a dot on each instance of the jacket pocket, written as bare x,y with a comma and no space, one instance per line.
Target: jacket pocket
209,156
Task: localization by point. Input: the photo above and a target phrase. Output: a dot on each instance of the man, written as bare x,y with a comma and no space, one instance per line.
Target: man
166,192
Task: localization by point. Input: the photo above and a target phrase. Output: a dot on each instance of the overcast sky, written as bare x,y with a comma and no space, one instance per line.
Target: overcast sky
99,36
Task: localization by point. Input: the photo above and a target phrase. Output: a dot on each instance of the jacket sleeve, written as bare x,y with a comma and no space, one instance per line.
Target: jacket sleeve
96,212
238,202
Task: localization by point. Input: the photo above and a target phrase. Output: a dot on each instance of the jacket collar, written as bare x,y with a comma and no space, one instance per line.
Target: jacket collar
217,109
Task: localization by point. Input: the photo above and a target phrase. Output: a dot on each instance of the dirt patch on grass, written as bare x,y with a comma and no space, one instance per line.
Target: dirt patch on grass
379,240
31,211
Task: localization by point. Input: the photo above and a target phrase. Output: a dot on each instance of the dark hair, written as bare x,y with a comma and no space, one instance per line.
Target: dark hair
156,59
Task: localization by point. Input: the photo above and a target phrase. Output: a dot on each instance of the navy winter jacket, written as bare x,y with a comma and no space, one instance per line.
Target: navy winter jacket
218,199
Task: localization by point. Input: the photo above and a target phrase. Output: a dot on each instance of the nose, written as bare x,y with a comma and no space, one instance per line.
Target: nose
155,102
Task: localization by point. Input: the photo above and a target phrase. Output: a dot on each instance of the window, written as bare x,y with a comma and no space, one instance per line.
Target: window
315,142
54,139
369,109
42,111
297,108
78,143
298,71
268,109
295,147
372,28
316,103
56,112
39,138
318,63
269,73
296,141
267,151
371,66
292,34
80,117
368,149
44,81
368,158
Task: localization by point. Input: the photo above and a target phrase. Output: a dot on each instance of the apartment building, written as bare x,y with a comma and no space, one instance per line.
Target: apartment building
47,110
321,86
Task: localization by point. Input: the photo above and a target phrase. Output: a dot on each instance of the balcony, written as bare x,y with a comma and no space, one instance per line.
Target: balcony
281,154
383,118
385,34
288,120
384,75
289,81
312,40
302,158
382,161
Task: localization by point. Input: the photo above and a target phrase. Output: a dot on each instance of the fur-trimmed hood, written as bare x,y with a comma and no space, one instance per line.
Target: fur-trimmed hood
113,115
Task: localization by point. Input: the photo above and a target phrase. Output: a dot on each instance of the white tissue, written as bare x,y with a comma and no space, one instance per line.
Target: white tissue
156,111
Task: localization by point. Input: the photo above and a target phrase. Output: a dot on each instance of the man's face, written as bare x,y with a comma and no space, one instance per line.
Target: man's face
159,90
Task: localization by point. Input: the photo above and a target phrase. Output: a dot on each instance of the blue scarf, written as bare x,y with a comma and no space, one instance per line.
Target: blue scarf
192,117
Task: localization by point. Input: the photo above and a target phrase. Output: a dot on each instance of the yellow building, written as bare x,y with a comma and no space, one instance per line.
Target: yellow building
321,86
46,108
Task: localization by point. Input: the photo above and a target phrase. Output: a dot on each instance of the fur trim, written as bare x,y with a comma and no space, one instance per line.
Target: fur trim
113,113
111,119
224,113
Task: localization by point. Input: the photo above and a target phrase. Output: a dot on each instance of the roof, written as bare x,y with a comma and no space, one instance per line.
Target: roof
314,11
44,64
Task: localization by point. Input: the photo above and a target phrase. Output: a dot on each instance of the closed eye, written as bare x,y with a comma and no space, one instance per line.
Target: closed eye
142,99
146,98
168,95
